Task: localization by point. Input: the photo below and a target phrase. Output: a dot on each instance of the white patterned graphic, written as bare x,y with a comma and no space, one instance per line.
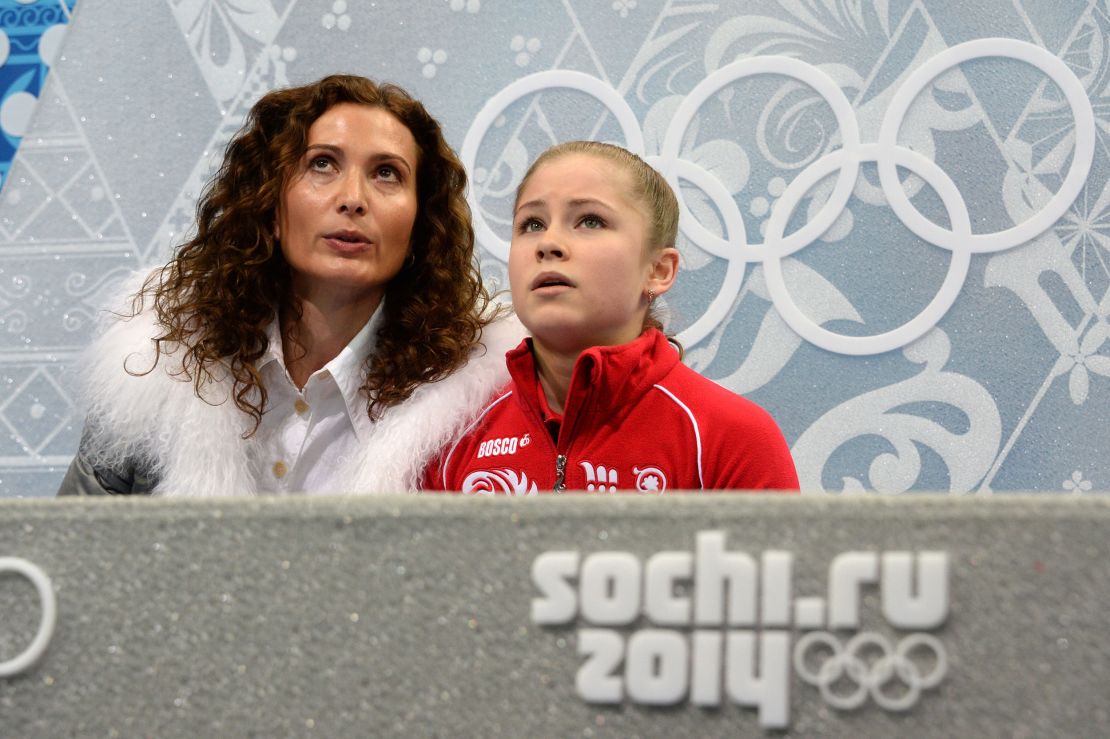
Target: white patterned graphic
599,477
871,675
845,161
650,480
498,482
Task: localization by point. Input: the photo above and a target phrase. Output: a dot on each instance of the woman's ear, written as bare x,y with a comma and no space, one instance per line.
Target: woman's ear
276,223
664,270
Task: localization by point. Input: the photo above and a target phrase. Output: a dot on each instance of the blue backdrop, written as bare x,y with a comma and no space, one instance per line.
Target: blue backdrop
946,332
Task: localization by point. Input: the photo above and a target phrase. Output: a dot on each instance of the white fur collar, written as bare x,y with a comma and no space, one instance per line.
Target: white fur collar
196,448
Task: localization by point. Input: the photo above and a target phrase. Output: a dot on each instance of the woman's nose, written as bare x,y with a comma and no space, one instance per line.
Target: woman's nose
352,195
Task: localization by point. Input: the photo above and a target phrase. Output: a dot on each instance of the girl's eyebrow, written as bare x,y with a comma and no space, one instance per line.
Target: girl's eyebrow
576,203
537,203
590,201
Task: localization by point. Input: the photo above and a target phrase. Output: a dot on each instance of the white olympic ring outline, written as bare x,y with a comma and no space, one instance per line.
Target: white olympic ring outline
45,589
894,662
550,80
886,152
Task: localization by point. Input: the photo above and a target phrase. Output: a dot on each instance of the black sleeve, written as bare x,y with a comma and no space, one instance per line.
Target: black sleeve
82,478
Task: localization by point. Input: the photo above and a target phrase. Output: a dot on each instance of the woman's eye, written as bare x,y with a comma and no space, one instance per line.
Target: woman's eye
320,163
592,222
390,174
530,225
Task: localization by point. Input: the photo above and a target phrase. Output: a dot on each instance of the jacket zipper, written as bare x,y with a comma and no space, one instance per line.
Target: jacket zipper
560,472
566,433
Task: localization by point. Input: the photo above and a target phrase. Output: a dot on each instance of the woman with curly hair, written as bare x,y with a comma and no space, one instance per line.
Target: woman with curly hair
326,329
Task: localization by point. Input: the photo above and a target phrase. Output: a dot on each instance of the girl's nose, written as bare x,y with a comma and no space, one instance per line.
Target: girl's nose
548,248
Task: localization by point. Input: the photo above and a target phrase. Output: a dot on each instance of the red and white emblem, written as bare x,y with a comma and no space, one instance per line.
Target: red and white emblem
650,479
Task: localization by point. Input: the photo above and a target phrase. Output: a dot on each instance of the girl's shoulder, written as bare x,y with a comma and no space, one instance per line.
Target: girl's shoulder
714,404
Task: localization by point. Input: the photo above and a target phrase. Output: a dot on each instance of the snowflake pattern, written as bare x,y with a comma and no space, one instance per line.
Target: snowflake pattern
338,17
525,49
624,6
431,60
1082,359
1085,233
1077,484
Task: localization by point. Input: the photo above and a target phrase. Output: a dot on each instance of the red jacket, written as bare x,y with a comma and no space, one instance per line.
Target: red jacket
635,418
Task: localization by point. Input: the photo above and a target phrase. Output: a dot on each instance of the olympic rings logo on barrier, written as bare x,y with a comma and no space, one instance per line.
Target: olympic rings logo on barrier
845,160
45,589
895,665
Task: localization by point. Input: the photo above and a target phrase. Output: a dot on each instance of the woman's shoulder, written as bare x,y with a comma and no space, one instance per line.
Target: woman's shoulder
123,363
124,324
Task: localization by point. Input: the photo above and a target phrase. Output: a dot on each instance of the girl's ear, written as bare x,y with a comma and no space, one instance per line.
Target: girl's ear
664,269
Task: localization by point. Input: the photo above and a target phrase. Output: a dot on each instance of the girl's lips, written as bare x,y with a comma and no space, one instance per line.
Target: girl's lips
551,280
550,290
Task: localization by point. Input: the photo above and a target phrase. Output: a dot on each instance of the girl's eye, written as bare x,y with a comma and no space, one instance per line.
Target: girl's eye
592,221
530,225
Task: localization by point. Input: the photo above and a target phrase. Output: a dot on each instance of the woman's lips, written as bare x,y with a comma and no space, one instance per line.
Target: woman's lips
347,242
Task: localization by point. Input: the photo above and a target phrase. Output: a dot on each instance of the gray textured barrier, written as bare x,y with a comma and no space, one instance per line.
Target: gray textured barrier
414,616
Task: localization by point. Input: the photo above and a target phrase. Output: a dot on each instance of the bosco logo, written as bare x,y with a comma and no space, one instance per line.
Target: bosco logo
505,445
721,624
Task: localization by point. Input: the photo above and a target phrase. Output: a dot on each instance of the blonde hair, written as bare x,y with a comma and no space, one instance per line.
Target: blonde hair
649,188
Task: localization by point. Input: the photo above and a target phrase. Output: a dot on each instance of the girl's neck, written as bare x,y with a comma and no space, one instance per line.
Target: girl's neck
554,370
321,332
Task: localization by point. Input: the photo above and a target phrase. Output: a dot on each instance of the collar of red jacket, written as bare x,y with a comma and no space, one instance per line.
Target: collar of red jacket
608,378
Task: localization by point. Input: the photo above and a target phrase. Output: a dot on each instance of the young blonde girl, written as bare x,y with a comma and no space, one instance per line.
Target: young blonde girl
599,399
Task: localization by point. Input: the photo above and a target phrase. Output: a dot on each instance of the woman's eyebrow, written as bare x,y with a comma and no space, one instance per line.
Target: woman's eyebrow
378,156
389,156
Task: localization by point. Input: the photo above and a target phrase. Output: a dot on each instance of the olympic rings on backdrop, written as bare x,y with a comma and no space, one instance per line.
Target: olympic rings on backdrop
735,248
893,664
916,326
799,70
734,225
38,645
496,105
1081,161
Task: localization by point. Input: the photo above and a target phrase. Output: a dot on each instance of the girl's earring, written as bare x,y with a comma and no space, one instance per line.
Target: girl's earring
651,297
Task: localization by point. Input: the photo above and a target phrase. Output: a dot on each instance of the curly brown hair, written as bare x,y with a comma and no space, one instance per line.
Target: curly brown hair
217,296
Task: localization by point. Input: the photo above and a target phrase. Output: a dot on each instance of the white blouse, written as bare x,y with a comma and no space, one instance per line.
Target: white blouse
308,435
